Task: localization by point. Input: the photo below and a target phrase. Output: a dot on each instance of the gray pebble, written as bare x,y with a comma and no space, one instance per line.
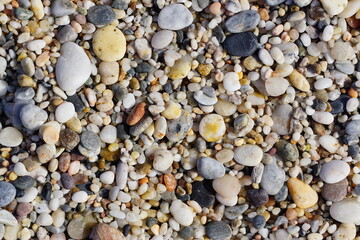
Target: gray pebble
67,34
178,128
274,2
186,233
235,211
101,15
281,117
243,21
23,14
90,140
353,128
60,8
287,151
32,117
209,168
67,181
119,91
346,67
302,3
119,4
218,230
24,93
243,124
28,66
336,191
242,44
282,194
24,3
7,193
24,182
141,126
273,178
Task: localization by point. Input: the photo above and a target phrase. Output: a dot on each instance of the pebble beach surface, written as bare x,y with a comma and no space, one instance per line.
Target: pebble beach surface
170,120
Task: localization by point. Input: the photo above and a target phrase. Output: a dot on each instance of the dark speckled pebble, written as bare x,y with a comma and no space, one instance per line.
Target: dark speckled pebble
336,191
76,101
259,221
202,195
218,230
144,67
241,44
282,194
119,91
67,181
24,182
151,221
101,15
7,193
186,233
353,151
258,197
119,4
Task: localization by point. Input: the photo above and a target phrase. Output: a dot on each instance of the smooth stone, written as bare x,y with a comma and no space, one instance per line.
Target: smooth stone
181,212
266,58
163,159
302,194
273,178
323,83
209,168
23,14
44,219
290,51
276,86
67,34
177,129
281,118
243,21
212,127
64,112
7,193
104,231
287,151
323,117
122,170
80,228
90,140
141,126
282,194
201,194
60,8
69,139
142,48
330,143
101,14
109,44
3,86
299,81
334,7
24,182
302,3
345,67
7,218
30,195
174,17
204,99
235,211
23,209
67,181
274,2
346,211
248,155
336,191
109,72
80,197
351,8
218,230
241,44
353,128
227,186
107,177
108,134
341,51
32,117
10,137
120,4
73,67
162,39
227,201
186,233
346,231
181,68
45,152
225,108
231,81
258,197
334,171
243,124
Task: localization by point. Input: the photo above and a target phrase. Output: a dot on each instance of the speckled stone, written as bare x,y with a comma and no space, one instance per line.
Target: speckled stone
218,230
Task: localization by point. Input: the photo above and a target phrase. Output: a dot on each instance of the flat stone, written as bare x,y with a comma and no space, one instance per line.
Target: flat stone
248,155
273,178
334,171
241,44
73,67
243,21
212,127
209,168
7,193
281,118
181,212
302,194
346,211
10,137
235,211
336,191
24,182
60,8
174,17
7,218
218,230
101,15
202,195
67,181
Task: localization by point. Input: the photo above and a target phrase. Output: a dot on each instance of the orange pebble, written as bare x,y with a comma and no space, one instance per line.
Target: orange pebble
215,8
143,180
136,114
353,93
170,182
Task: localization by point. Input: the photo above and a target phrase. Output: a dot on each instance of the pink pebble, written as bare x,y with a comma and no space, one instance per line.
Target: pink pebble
74,167
58,236
80,19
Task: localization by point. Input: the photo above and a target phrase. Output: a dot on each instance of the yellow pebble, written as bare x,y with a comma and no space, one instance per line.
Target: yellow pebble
299,81
13,176
212,127
302,194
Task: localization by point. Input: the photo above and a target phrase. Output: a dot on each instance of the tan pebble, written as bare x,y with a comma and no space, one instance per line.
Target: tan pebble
105,232
50,135
215,8
58,236
53,165
38,9
26,81
302,194
64,162
204,69
74,167
346,231
212,127
46,152
172,110
136,114
42,59
90,97
225,155
227,186
109,72
181,68
170,182
104,104
299,81
109,44
74,124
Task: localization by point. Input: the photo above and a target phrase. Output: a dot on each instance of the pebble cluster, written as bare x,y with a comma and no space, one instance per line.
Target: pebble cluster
188,119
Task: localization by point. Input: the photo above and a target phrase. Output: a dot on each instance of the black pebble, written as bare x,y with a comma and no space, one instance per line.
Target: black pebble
76,101
258,197
126,229
46,191
24,182
242,44
202,195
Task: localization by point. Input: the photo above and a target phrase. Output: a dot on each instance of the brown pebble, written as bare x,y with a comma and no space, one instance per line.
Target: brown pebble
170,182
64,162
103,231
215,8
353,22
136,114
291,214
69,139
23,209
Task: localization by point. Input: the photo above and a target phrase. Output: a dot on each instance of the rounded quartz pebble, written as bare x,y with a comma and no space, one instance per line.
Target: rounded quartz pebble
108,134
276,86
181,212
212,127
64,112
174,17
227,186
231,81
162,39
209,168
334,171
107,177
101,15
323,117
90,140
32,117
7,193
163,159
80,197
346,211
10,137
243,21
218,230
248,155
109,44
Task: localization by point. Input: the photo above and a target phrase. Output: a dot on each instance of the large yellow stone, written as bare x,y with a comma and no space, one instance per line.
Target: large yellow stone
109,44
181,68
302,194
212,127
299,81
172,110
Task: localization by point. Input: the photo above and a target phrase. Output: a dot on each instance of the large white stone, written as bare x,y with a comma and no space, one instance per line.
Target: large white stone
181,212
248,155
334,171
334,7
73,67
351,9
175,17
10,137
330,143
346,211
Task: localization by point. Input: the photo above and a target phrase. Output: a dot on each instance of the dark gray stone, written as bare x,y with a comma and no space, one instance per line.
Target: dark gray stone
186,233
101,15
67,34
243,21
287,151
23,14
24,182
259,221
119,91
258,197
119,4
7,193
241,44
67,181
282,194
235,211
76,101
218,230
141,126
202,195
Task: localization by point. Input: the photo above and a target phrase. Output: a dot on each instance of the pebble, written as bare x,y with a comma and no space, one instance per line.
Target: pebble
103,231
346,231
323,83
69,139
243,21
334,171
209,168
108,134
353,128
30,195
202,195
23,209
302,194
162,39
86,223
266,58
248,155
24,182
186,233
122,170
73,68
334,7
60,8
323,117
10,137
218,230
258,197
276,86
107,177
243,124
181,212
212,127
273,178
163,159
45,152
7,218
67,181
64,112
174,17
335,192
90,140
181,68
346,211
235,211
109,44
227,186
231,81
32,117
23,14
44,219
225,108
101,14
274,2
281,118
302,3
242,44
299,81
7,193
109,72
80,197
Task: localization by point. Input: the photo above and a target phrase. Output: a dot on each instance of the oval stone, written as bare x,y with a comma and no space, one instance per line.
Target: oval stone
243,21
334,171
241,44
174,17
209,168
346,211
248,155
